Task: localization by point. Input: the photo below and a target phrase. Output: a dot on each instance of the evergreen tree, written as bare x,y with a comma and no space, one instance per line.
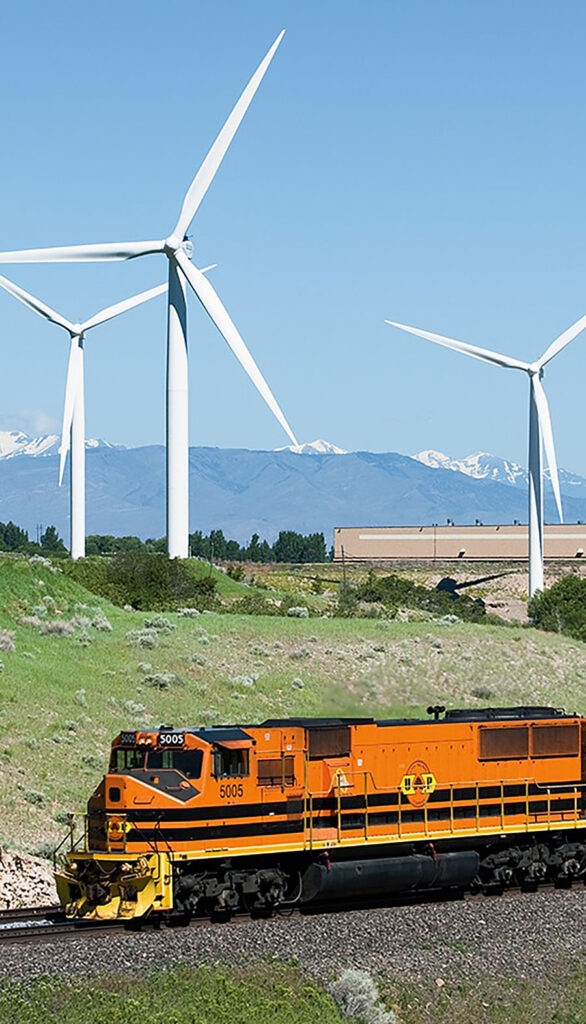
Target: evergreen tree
12,538
51,541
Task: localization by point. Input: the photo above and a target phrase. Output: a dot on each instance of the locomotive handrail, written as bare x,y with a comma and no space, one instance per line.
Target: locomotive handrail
573,789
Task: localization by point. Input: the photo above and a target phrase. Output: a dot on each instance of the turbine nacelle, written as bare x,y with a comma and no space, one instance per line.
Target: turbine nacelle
173,245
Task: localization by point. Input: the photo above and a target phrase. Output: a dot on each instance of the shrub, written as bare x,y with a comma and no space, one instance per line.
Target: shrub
235,571
246,681
482,692
44,850
100,622
30,620
92,761
58,737
395,592
148,581
561,608
61,817
347,601
56,627
34,797
163,680
256,604
6,640
45,562
80,698
356,994
298,612
258,651
160,623
142,637
300,654
188,613
133,708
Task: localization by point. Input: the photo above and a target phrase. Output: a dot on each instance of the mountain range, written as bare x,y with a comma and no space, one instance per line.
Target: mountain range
244,492
13,443
483,466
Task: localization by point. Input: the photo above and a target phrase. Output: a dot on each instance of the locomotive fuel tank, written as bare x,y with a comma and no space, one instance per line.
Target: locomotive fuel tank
359,879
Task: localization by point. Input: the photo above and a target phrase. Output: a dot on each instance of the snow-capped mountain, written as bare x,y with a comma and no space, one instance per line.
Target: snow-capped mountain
14,443
480,465
484,466
319,447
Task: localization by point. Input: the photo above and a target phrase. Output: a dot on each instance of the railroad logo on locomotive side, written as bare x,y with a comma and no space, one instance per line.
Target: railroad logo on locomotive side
417,783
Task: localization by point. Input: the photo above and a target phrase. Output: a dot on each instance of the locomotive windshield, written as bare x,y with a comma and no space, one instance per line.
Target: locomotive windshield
188,762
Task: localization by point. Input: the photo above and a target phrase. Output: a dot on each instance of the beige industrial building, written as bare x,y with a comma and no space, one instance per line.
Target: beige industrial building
474,543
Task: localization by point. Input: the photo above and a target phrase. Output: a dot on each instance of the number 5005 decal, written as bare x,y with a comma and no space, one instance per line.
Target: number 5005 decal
231,789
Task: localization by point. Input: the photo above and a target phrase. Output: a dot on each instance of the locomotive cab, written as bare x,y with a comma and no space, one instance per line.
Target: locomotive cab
148,770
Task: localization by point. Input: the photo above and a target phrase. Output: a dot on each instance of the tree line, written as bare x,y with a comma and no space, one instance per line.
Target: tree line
13,538
289,546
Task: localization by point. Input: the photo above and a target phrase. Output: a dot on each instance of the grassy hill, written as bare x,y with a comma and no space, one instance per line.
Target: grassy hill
82,668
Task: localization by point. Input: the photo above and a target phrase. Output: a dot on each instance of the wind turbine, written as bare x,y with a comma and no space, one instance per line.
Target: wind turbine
539,430
178,251
74,411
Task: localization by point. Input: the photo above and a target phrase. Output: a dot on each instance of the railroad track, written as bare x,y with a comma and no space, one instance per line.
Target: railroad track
40,924
46,924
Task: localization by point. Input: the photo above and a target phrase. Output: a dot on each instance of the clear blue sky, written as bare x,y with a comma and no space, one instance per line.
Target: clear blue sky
423,161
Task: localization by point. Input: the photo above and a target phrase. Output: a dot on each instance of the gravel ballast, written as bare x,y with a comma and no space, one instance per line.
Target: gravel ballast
517,936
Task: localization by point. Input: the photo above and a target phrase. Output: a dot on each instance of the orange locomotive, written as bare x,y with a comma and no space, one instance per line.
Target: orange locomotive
207,820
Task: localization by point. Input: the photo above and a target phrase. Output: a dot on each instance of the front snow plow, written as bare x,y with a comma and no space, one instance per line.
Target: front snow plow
102,886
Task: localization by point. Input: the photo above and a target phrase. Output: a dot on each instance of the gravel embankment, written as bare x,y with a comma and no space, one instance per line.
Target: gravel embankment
516,936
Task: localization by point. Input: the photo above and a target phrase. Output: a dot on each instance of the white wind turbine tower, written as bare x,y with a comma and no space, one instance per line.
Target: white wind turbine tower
539,430
178,251
74,408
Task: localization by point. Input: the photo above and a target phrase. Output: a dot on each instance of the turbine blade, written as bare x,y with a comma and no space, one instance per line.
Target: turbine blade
485,354
121,307
207,171
71,386
82,253
217,313
35,304
563,340
547,435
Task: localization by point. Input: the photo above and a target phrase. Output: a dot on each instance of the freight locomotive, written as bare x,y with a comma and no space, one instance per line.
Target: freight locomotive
214,820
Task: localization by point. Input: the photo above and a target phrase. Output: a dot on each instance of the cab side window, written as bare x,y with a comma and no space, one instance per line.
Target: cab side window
126,760
232,764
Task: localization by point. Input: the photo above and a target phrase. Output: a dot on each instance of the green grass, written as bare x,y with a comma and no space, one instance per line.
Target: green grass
279,994
559,998
61,703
